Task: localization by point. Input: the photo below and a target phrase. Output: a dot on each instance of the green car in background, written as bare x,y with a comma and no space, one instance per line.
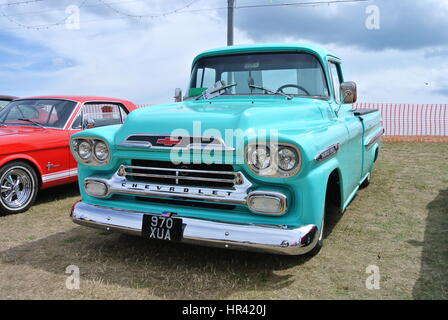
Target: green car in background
263,147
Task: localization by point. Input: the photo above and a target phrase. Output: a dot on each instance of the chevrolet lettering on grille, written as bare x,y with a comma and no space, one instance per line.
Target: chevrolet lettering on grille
172,189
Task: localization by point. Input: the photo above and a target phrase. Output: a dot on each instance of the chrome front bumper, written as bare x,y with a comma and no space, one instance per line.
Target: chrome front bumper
250,237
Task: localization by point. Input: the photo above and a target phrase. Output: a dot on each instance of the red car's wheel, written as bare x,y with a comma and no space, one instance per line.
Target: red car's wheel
19,186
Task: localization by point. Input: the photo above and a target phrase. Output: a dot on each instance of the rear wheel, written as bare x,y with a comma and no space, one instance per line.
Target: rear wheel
19,186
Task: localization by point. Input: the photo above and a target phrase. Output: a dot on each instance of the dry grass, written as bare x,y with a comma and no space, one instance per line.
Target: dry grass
398,223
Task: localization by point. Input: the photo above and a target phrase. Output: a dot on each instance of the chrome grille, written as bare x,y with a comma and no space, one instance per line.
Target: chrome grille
197,175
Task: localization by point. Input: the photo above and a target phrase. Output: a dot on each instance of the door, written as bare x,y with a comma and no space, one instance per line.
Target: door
42,136
351,150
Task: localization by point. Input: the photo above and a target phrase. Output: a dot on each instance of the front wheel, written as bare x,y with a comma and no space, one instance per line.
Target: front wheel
19,186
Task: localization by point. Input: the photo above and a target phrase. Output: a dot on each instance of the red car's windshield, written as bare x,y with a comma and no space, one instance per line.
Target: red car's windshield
3,103
37,112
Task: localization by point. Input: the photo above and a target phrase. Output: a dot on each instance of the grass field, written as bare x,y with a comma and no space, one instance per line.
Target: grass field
399,223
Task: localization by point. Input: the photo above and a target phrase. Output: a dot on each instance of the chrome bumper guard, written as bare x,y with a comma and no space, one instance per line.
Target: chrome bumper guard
250,237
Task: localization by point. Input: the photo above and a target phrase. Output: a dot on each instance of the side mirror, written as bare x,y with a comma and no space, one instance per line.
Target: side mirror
177,95
348,92
88,124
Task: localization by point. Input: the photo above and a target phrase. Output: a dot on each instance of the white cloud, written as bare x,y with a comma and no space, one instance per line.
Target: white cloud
394,76
145,60
141,60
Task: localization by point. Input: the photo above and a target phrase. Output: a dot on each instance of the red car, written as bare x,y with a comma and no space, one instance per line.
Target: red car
34,142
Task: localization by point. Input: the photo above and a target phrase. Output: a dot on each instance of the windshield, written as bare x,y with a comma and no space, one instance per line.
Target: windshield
3,103
298,74
37,112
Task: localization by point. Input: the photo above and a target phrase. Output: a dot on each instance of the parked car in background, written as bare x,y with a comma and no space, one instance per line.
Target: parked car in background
34,142
4,100
265,143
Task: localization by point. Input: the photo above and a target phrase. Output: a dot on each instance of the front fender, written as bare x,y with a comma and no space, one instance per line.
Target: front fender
313,191
22,156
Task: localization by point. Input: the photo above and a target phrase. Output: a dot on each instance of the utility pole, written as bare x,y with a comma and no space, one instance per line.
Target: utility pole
230,10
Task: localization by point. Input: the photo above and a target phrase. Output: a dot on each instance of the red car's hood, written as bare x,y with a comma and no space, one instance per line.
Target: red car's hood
14,139
19,130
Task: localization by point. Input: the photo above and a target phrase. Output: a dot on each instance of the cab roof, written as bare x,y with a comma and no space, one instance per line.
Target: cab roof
77,98
268,47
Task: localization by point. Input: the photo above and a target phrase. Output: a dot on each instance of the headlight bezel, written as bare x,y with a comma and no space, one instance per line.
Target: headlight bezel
94,151
78,148
92,160
274,170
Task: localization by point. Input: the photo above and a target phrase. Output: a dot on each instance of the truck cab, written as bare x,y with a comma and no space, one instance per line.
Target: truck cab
262,144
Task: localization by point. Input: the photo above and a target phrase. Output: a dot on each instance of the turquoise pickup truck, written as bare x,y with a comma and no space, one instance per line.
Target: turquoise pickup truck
261,149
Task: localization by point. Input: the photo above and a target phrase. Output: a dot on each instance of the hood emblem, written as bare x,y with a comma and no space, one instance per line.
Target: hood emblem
168,141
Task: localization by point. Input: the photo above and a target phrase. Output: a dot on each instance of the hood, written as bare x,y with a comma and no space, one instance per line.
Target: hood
18,130
15,139
219,114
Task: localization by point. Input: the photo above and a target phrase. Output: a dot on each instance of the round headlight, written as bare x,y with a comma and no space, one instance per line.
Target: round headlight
84,150
101,151
260,157
287,158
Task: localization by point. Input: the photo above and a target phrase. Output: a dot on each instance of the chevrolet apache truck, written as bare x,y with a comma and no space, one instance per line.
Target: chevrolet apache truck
264,142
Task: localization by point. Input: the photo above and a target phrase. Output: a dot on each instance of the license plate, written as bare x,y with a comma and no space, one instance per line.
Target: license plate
162,228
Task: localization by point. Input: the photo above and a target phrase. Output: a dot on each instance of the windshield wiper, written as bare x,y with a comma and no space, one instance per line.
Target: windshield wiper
271,91
31,121
217,91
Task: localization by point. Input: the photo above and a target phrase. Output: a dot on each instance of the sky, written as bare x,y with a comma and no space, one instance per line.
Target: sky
395,50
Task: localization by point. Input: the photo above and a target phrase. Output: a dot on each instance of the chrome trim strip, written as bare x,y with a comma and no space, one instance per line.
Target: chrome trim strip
135,144
251,237
120,185
59,175
191,146
328,152
374,138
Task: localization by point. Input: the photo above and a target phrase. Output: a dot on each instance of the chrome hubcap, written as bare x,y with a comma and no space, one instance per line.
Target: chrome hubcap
16,188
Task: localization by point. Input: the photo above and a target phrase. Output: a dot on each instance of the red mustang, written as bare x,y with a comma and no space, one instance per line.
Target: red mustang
34,142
